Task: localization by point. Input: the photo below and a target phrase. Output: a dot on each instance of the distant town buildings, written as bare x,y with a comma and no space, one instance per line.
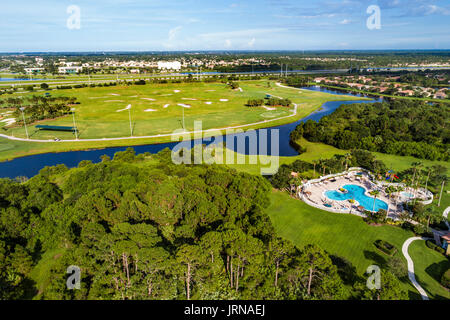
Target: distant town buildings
70,70
169,65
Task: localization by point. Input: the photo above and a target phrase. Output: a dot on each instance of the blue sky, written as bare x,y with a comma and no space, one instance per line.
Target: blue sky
113,25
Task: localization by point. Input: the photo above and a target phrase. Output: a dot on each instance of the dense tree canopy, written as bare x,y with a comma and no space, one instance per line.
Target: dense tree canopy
402,127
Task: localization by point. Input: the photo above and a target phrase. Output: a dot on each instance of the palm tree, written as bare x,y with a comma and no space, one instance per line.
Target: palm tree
315,162
347,160
375,194
389,191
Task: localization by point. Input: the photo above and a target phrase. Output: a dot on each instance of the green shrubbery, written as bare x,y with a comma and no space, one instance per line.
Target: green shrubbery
385,247
430,244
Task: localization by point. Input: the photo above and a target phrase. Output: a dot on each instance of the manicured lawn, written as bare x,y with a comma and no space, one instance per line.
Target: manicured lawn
344,235
429,266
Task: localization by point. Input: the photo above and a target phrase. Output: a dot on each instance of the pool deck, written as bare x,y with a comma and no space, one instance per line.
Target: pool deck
314,194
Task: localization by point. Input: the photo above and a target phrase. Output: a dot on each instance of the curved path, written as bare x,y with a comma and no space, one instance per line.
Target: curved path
294,113
411,274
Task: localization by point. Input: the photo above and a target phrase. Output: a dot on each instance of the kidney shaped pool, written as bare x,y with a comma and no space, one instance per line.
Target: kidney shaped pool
357,193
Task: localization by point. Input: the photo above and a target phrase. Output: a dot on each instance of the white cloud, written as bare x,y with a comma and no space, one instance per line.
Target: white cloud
345,21
251,43
228,43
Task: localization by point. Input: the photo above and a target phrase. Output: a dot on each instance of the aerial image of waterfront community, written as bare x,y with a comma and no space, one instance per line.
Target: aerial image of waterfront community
225,151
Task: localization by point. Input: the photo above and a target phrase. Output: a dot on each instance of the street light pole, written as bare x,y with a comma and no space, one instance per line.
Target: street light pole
184,128
24,122
74,124
129,115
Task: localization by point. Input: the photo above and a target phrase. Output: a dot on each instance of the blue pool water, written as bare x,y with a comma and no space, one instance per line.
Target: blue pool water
357,193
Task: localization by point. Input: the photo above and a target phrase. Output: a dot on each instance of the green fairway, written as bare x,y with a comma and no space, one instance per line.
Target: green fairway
343,235
429,266
156,110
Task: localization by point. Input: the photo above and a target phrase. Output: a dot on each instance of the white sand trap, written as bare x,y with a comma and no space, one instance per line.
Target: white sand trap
9,121
240,89
176,91
166,95
166,105
224,100
210,90
114,94
113,101
149,99
128,107
208,102
192,99
269,109
150,110
184,105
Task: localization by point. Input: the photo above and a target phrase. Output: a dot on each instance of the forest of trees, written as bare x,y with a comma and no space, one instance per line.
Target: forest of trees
140,227
401,127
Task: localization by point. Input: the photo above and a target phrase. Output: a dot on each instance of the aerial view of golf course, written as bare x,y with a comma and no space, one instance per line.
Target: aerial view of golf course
225,160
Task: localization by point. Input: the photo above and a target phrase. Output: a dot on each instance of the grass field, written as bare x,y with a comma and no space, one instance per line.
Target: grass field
97,116
346,236
429,266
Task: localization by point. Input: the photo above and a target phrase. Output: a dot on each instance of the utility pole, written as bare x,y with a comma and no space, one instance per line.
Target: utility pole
24,122
74,124
440,196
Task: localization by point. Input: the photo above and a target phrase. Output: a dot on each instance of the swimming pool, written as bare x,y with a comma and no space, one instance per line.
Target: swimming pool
407,195
358,193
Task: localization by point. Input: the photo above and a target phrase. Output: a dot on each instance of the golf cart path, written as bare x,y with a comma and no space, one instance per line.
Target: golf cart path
411,274
294,113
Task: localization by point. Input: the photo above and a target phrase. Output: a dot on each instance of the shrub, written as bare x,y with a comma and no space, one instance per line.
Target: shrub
435,247
385,247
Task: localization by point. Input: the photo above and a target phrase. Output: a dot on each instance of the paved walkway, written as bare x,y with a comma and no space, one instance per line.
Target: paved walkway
411,274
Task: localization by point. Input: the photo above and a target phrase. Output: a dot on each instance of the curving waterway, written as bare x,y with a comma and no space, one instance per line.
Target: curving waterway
31,165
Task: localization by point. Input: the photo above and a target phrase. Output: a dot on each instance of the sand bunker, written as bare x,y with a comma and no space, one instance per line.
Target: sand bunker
165,95
208,102
166,105
192,99
176,91
269,109
9,121
150,110
224,100
114,94
240,89
149,99
114,101
184,105
210,90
